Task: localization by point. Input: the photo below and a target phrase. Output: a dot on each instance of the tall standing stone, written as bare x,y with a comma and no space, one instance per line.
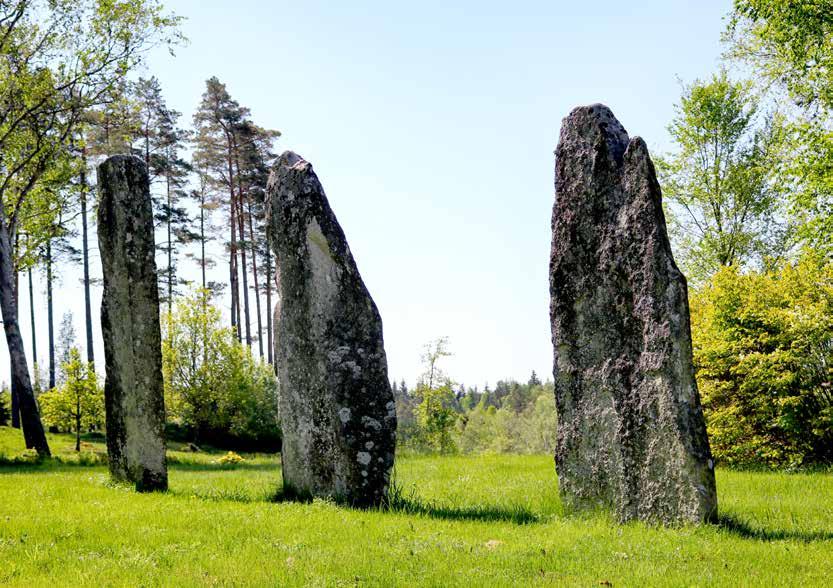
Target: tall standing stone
631,433
338,416
133,391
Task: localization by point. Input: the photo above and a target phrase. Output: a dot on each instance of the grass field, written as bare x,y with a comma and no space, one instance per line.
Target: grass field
468,521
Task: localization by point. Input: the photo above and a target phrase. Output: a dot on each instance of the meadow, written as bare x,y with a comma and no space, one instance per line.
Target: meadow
491,520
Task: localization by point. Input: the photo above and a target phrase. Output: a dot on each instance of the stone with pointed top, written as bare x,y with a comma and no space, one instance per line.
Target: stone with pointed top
133,390
631,433
338,416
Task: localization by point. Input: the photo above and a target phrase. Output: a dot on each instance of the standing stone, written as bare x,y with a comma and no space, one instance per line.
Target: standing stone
631,434
337,411
133,391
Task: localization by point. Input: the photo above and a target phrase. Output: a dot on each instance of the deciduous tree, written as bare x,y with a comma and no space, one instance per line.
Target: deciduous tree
720,184
59,59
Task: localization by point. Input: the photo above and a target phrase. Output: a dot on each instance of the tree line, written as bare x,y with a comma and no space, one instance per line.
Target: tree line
748,192
70,99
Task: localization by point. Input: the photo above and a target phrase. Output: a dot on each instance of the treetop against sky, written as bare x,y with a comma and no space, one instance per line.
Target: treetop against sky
432,127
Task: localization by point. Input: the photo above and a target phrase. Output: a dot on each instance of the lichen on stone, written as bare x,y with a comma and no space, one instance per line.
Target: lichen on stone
339,435
133,390
631,433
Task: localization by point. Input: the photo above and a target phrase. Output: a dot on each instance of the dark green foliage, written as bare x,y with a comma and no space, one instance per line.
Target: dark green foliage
5,407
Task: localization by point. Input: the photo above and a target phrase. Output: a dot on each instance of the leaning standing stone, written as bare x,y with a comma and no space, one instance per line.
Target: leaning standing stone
631,433
337,411
133,389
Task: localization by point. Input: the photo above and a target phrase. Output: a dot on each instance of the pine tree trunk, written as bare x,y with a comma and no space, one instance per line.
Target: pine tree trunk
77,424
33,432
233,277
170,246
235,290
32,321
240,227
269,339
202,237
50,317
246,315
253,241
85,251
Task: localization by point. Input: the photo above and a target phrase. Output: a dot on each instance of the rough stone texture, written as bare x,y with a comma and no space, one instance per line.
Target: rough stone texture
631,434
337,410
133,389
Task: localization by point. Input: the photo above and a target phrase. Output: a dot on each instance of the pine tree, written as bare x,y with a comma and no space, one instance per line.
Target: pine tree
160,142
58,248
84,190
234,156
534,380
214,150
254,160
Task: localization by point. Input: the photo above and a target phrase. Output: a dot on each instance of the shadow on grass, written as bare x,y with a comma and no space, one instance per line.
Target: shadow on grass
483,513
398,501
743,529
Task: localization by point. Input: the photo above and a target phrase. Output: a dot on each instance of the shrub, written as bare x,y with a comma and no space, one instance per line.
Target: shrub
78,403
5,407
435,417
763,350
215,390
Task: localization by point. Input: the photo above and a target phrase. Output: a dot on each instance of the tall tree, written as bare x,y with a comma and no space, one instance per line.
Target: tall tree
160,142
215,122
206,204
787,46
85,254
719,184
235,155
58,248
254,160
62,56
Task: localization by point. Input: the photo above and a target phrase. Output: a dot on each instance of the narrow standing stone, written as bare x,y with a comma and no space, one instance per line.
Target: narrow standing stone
133,390
337,410
631,433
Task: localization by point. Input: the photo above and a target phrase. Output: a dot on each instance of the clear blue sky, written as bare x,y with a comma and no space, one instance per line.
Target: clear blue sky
432,127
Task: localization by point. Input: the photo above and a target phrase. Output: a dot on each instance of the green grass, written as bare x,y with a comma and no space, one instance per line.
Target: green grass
467,521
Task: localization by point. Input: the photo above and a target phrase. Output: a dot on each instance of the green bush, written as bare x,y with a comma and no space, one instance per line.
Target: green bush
5,407
77,405
763,350
216,392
